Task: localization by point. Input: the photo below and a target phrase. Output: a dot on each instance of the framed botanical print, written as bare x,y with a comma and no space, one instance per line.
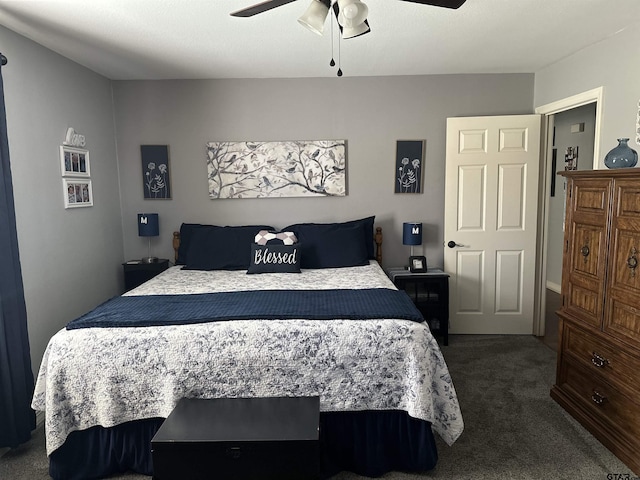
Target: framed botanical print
409,166
156,179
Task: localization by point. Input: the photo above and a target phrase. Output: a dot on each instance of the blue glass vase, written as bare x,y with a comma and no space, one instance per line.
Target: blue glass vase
621,156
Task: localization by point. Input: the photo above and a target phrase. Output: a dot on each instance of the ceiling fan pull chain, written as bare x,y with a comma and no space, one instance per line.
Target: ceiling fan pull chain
339,58
332,63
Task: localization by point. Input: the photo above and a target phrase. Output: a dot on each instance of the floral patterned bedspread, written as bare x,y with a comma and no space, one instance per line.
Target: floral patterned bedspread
107,376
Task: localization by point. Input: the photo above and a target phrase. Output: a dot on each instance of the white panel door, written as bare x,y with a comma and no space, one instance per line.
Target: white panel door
491,199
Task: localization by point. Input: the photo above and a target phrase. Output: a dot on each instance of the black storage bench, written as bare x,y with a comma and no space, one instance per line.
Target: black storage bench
239,439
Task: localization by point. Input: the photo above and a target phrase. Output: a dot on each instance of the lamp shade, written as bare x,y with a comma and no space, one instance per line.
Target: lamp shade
314,17
352,13
412,233
148,225
352,32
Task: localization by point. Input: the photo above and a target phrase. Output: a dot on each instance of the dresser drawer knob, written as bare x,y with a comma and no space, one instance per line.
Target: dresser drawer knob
599,361
598,398
632,261
585,252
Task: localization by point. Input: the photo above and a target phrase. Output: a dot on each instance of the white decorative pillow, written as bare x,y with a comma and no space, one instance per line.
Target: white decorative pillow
267,237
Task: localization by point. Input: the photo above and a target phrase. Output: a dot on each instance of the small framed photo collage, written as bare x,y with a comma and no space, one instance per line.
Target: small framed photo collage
76,181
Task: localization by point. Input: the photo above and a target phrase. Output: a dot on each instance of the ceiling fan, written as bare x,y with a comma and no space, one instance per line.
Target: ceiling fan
271,4
351,15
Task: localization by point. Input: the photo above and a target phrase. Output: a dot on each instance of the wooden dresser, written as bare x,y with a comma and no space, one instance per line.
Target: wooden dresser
598,372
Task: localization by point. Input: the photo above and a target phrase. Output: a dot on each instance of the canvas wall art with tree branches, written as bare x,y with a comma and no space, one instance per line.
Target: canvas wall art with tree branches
296,168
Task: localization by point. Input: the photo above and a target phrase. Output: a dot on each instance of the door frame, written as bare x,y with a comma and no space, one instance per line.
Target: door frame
547,111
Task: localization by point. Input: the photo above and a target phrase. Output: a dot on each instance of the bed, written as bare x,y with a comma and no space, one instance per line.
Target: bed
106,381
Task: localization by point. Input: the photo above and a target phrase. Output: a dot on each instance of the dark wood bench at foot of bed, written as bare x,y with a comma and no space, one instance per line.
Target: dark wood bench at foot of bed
239,438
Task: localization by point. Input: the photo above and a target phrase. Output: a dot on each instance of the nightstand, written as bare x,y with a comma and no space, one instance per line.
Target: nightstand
430,292
136,272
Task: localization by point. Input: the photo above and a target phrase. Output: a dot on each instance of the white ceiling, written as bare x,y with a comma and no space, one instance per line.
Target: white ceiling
189,39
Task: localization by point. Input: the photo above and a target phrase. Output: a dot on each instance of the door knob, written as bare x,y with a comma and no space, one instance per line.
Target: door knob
453,244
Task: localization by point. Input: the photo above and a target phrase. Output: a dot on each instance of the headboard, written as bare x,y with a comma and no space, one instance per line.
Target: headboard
377,238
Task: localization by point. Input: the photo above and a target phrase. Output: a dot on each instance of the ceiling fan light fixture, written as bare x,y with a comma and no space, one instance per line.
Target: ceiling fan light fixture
315,15
351,32
352,14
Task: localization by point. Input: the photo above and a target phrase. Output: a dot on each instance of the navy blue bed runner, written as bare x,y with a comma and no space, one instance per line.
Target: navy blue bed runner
158,310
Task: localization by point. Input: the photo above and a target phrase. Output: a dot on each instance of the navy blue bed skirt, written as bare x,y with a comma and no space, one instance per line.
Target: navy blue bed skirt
369,443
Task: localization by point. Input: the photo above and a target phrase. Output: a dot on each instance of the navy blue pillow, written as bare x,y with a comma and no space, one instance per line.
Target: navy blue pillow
332,245
367,225
274,258
220,248
186,229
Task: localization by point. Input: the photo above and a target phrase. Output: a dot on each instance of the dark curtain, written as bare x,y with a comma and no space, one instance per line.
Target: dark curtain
17,419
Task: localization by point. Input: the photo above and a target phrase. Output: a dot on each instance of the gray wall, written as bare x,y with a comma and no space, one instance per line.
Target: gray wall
612,64
563,139
370,113
70,258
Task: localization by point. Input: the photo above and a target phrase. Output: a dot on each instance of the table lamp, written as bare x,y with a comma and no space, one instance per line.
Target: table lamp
148,226
412,235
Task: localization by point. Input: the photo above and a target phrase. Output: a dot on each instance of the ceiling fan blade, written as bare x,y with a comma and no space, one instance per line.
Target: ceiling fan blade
260,7
439,3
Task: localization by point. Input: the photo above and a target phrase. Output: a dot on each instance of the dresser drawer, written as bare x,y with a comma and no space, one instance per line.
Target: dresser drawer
613,363
603,401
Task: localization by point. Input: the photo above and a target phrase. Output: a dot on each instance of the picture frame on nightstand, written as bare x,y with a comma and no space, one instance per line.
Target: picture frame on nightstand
418,264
